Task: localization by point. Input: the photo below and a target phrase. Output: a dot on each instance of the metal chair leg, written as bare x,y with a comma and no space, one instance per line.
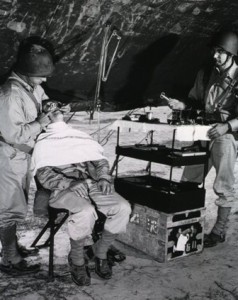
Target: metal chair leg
34,244
51,250
53,227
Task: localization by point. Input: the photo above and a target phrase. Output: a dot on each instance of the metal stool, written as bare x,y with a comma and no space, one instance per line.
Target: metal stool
55,226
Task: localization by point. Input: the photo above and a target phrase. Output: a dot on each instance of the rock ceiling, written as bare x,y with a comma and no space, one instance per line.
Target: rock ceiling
162,45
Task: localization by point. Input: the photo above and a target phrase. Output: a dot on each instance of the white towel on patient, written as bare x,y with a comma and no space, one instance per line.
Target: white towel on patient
62,145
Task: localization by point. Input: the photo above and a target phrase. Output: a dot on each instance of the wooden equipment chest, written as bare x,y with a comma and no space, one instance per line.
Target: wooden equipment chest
165,236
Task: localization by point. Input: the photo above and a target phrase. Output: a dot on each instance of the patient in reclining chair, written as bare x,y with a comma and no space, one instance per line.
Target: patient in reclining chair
70,164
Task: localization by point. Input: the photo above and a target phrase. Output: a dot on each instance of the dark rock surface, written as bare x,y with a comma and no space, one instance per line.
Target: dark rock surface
163,44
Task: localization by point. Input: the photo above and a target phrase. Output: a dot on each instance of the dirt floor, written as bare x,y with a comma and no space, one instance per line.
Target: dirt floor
211,274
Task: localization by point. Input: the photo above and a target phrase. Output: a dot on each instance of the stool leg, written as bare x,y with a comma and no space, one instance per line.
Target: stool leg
51,250
40,235
54,227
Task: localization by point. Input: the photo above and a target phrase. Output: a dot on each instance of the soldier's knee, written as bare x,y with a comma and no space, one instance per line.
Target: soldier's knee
89,211
125,207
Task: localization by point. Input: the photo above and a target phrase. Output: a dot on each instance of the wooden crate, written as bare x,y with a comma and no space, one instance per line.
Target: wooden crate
165,236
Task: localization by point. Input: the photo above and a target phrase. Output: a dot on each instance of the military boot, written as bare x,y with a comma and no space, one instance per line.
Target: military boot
217,234
80,275
12,262
79,272
212,239
103,268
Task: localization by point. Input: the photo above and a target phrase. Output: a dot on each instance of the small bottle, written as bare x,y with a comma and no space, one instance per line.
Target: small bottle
149,115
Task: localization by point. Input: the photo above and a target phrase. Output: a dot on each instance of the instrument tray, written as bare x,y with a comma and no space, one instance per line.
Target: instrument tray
160,194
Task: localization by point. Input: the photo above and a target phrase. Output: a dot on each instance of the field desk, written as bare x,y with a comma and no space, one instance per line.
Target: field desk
167,219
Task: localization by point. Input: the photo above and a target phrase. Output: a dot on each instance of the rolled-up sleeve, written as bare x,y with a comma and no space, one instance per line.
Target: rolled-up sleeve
102,169
233,124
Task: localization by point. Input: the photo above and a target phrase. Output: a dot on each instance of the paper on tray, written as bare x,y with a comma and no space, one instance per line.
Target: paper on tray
192,133
182,133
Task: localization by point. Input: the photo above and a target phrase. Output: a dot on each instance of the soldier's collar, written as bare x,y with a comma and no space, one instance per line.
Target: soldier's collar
15,76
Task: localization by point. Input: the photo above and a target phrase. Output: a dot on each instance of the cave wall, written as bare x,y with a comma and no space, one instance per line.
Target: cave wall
163,44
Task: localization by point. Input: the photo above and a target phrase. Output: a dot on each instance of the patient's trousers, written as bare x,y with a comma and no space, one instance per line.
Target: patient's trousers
83,214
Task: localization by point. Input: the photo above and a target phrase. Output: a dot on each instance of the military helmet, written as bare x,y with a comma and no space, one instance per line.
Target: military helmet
34,61
228,41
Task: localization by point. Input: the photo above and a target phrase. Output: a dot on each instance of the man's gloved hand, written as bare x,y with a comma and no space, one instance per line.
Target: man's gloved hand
105,187
43,119
176,104
217,130
53,105
65,109
79,188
